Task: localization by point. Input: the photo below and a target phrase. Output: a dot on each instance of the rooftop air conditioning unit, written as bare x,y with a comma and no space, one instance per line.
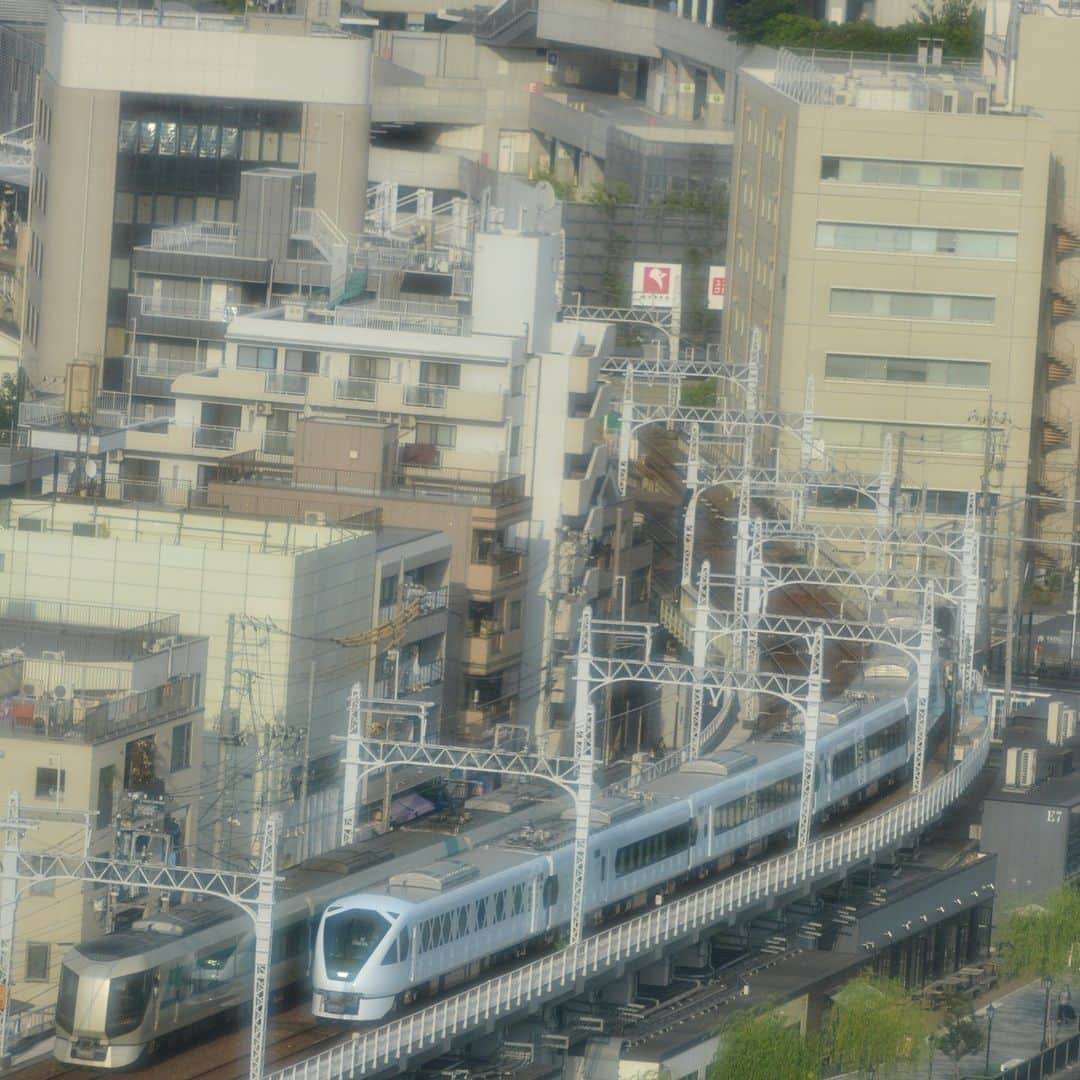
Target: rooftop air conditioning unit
53,655
1055,733
1020,767
314,517
162,643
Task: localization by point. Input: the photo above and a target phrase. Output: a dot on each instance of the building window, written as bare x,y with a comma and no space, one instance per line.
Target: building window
388,591
932,438
907,369
517,380
444,435
300,360
106,786
37,962
910,240
139,771
515,441
937,307
256,358
514,617
50,783
435,374
923,174
180,758
369,367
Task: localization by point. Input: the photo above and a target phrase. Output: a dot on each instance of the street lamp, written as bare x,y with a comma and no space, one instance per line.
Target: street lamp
1047,983
990,1010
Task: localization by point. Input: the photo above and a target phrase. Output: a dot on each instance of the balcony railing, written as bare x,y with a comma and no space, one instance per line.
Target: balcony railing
426,396
282,443
213,438
410,680
174,307
355,389
62,720
383,316
165,367
431,600
201,238
507,562
286,382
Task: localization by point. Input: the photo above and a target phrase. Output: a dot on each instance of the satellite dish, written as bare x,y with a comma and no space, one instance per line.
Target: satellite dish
91,469
71,466
60,691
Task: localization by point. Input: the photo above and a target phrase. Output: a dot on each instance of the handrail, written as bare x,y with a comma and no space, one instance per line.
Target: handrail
389,1044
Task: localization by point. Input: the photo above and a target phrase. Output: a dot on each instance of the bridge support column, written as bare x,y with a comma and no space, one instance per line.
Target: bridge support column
922,705
813,716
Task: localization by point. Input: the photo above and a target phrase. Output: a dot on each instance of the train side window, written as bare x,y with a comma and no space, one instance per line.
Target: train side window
551,891
603,867
463,921
481,913
403,945
391,954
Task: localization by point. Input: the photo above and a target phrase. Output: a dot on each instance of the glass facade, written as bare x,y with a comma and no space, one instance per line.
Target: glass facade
179,160
938,307
922,174
907,369
909,240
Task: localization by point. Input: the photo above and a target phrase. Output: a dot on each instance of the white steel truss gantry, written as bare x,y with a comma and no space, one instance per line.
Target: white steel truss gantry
251,893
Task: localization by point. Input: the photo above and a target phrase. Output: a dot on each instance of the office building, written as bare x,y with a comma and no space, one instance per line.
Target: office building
150,120
887,239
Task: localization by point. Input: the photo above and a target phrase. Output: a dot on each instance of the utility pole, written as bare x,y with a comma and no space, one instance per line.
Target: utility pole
1010,617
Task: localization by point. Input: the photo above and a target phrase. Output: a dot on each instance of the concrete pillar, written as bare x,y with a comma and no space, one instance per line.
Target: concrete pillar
620,992
684,85
658,974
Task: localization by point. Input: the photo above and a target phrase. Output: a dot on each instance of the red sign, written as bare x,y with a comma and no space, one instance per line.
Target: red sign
656,280
717,287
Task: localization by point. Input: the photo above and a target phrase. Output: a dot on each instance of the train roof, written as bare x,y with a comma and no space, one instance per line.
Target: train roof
161,928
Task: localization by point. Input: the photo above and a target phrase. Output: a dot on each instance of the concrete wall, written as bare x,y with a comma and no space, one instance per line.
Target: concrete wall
1030,840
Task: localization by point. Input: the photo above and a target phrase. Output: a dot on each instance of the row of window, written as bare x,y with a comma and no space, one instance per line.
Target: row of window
922,174
43,121
907,369
167,138
265,358
916,240
654,849
886,740
871,435
937,307
475,917
262,358
132,209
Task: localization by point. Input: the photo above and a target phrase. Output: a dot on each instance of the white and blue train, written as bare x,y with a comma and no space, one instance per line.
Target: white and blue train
430,905
425,929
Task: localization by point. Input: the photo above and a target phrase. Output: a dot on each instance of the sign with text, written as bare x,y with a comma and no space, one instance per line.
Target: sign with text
717,287
656,285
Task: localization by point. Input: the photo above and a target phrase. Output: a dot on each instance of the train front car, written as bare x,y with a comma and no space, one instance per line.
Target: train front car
103,1017
357,946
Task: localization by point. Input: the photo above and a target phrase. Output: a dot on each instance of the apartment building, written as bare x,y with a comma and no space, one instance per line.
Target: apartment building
888,240
148,119
101,709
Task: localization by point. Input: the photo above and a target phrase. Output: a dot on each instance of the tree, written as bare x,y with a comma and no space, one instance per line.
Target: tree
700,394
758,1045
750,20
9,403
1042,939
962,1033
875,1026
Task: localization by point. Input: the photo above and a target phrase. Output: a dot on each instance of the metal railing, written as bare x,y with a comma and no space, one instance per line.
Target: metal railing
286,382
282,443
431,600
410,680
176,307
213,438
165,367
203,237
425,396
1047,1062
379,317
317,226
141,624
355,389
527,986
152,19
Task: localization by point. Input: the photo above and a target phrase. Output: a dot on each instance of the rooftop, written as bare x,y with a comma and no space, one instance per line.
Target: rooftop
185,528
877,81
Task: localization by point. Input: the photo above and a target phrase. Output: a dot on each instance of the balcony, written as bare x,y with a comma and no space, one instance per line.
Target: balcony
425,397
401,316
355,389
288,383
207,437
201,238
279,443
488,644
172,307
411,680
501,569
1056,432
164,367
579,486
584,426
427,601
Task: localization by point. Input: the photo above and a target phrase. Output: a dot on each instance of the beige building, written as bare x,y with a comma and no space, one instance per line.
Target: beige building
101,708
149,122
888,238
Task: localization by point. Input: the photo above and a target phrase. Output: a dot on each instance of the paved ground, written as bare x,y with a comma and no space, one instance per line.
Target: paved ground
1017,1033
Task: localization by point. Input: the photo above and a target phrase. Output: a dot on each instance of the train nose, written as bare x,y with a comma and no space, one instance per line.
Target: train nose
87,1048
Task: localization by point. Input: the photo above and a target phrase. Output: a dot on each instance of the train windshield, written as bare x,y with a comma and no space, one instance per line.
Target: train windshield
128,996
65,999
349,938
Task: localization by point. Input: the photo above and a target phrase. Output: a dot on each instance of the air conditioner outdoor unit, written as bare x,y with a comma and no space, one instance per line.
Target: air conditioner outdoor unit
263,408
1028,761
53,655
1020,767
33,689
162,643
314,517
